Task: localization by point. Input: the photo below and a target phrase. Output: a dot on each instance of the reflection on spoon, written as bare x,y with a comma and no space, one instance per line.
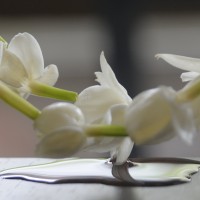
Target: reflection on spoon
138,172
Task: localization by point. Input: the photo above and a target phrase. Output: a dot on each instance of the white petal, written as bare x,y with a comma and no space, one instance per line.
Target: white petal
96,100
62,142
107,78
50,75
115,115
27,49
189,76
12,70
118,114
182,62
124,150
23,92
58,115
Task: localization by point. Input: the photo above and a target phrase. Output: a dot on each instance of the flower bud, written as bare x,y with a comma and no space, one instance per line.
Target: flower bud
149,114
58,115
62,142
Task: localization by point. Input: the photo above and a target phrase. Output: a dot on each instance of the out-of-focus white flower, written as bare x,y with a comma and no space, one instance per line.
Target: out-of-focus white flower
60,128
22,68
96,103
192,65
155,116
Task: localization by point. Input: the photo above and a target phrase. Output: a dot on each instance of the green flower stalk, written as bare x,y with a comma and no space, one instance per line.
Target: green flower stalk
105,131
3,40
17,102
43,90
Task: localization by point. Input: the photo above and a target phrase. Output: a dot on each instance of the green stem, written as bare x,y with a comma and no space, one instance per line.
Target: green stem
17,102
40,89
3,40
105,130
189,92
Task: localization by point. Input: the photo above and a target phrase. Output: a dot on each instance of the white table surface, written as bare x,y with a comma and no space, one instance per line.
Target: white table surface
23,190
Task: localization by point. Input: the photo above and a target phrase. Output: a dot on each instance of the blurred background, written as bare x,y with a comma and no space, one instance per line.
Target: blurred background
72,35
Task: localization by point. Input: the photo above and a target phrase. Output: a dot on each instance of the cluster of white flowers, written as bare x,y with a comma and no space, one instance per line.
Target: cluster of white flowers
103,117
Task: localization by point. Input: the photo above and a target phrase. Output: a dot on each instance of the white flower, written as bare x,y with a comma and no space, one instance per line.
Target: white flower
21,64
96,103
155,116
192,65
60,128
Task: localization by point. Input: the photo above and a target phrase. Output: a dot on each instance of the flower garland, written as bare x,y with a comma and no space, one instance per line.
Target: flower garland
102,118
